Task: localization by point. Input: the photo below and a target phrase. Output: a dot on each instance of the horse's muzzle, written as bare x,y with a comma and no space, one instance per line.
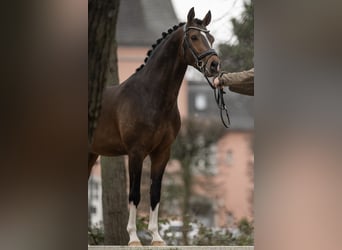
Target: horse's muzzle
213,66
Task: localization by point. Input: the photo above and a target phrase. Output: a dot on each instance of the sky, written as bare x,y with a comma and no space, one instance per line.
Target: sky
221,13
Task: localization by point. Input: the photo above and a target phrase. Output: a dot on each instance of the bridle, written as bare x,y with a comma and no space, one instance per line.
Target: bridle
201,66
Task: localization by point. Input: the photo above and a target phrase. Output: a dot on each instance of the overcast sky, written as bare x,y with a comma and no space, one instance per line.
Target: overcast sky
221,12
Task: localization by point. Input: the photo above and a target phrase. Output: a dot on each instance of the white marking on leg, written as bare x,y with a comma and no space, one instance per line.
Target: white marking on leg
132,225
153,224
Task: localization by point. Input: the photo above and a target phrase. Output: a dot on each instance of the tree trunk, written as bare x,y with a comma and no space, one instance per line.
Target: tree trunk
114,201
187,179
103,70
102,18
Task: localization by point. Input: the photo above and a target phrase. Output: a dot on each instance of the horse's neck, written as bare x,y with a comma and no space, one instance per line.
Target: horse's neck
166,68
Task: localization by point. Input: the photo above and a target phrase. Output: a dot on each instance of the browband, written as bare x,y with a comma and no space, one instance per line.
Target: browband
186,29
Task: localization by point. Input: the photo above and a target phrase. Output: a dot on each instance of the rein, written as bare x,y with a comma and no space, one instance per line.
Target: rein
200,66
218,94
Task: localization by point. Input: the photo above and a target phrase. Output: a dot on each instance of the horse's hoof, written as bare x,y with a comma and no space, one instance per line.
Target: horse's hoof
158,243
134,244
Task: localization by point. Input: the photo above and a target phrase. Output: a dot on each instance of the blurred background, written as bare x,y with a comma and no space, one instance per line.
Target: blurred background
208,183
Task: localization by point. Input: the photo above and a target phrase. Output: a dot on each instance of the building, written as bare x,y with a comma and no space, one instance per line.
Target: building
95,197
140,24
232,195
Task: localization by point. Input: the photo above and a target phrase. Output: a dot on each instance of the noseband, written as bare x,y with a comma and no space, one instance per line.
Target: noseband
200,65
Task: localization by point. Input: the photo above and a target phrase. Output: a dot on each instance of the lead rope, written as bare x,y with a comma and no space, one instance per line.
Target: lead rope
219,98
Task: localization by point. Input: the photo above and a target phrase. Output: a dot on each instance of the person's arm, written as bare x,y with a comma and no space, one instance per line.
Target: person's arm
240,82
229,79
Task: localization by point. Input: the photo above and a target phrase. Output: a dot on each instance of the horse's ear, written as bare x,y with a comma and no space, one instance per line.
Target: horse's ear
191,14
206,20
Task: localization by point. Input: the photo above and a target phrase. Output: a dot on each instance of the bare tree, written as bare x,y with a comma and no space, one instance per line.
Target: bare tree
102,68
114,201
102,18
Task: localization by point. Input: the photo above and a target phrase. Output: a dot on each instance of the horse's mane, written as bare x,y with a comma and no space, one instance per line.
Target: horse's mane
164,35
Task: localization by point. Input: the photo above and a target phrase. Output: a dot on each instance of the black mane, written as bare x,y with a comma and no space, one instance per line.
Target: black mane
164,35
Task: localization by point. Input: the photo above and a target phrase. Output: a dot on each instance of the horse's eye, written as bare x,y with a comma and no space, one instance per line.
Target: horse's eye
194,38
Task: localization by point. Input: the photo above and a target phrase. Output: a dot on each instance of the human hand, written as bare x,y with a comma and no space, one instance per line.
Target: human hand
217,83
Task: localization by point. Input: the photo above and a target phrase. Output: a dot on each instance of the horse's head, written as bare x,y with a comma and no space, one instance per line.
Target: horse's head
197,45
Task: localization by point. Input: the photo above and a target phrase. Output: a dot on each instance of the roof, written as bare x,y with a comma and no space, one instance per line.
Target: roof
141,22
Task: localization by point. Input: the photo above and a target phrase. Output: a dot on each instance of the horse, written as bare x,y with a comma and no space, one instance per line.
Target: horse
140,117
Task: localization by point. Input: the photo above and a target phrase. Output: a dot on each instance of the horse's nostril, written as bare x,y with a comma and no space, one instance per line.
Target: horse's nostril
214,66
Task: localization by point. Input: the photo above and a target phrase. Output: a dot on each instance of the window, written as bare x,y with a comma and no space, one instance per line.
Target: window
93,210
230,219
96,195
95,186
201,102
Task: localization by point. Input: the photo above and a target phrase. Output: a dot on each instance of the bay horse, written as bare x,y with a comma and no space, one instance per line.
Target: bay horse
140,117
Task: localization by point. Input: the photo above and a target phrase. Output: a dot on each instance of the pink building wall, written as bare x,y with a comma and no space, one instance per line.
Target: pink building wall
234,179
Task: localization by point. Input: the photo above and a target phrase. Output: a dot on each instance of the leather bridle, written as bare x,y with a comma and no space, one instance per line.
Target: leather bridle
200,65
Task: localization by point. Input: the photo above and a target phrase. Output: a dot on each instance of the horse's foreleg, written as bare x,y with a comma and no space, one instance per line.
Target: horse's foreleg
159,161
135,167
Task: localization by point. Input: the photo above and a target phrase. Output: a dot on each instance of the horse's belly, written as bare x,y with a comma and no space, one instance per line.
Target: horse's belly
109,150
